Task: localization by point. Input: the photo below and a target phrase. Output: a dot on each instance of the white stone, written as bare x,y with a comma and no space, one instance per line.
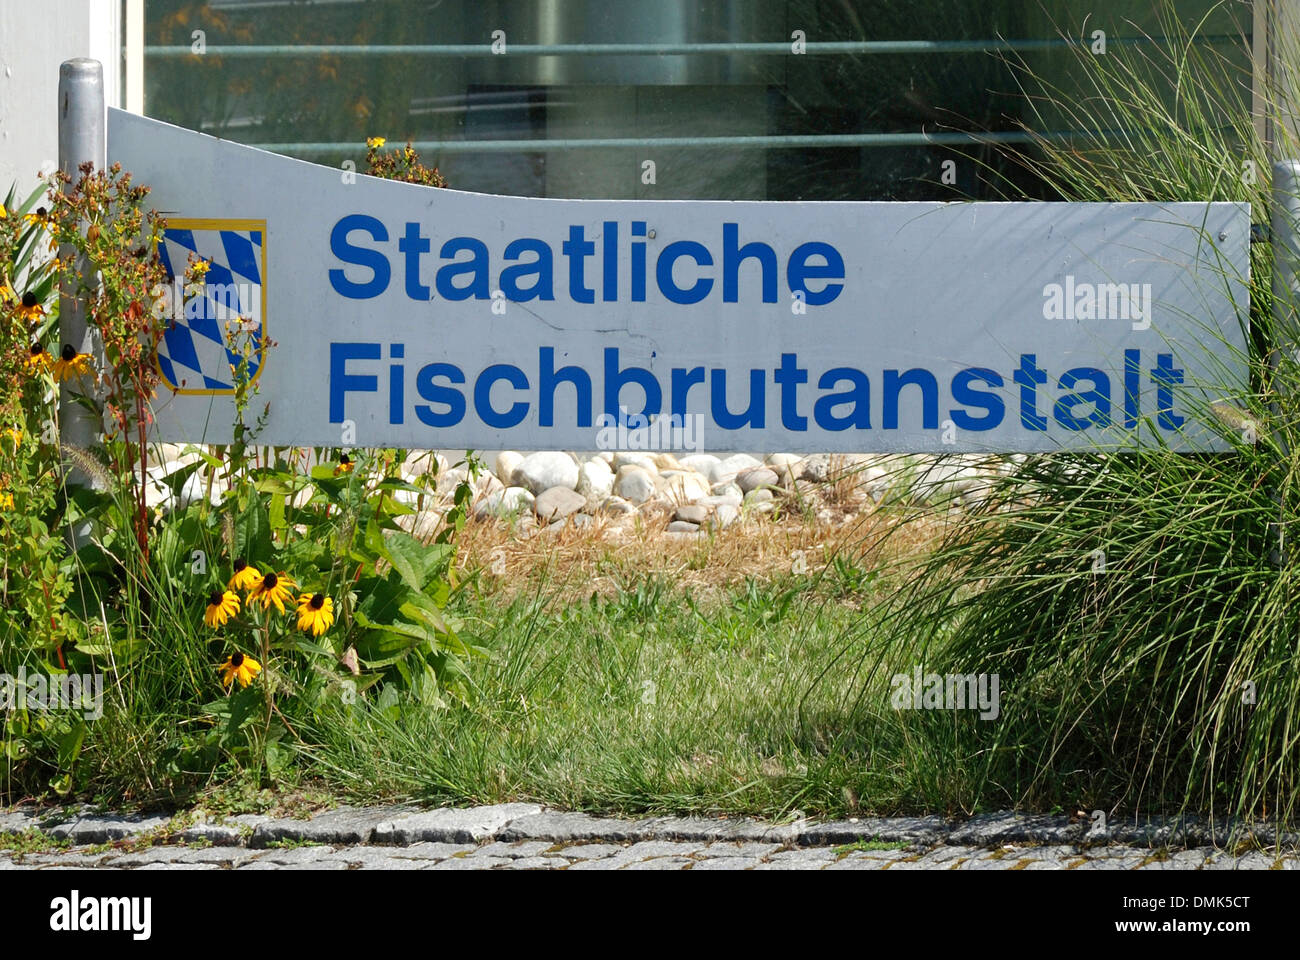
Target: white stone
502,503
777,461
726,489
541,471
727,469
626,458
506,462
557,503
733,500
701,463
595,479
725,514
618,507
635,485
685,487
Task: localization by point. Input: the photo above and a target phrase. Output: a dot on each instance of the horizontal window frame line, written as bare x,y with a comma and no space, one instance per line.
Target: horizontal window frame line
779,47
773,142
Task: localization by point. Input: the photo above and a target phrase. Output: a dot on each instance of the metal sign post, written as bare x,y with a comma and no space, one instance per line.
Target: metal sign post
1285,237
82,138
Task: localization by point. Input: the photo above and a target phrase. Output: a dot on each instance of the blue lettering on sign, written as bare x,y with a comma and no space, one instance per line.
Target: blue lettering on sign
503,394
342,248
682,270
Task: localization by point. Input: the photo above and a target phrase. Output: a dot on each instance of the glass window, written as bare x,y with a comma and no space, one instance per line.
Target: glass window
666,99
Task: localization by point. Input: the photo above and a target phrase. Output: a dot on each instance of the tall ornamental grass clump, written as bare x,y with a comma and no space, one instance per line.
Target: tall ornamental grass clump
1139,608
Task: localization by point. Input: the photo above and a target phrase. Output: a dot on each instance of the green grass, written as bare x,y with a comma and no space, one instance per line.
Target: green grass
753,702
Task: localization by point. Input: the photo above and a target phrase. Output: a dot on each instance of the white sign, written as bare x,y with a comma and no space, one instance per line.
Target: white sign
407,316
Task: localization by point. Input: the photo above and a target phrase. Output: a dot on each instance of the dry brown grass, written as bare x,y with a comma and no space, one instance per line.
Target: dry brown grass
574,562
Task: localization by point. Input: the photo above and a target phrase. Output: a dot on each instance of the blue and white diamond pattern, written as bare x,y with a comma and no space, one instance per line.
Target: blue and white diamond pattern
193,353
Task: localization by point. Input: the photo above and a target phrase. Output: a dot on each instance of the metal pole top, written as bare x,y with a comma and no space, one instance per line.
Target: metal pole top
81,68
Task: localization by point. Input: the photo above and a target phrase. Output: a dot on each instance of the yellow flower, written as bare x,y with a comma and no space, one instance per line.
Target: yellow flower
241,668
222,605
245,577
315,613
71,364
38,361
4,215
273,588
375,143
6,501
14,434
200,268
41,217
345,465
31,310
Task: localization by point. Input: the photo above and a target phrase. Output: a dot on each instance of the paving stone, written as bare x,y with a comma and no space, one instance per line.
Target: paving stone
1045,865
661,863
520,848
95,828
536,863
62,856
889,830
469,863
310,865
661,848
732,848
986,863
881,855
804,853
997,829
431,851
343,825
1255,861
561,827
727,863
590,851
947,854
174,854
290,855
450,825
856,863
231,831
1051,851
605,863
793,865
369,857
1109,863
180,866
17,821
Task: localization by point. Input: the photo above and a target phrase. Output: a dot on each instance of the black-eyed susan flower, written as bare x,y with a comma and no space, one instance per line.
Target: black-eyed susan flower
315,613
273,588
222,605
245,577
31,309
241,668
41,217
345,465
6,500
38,361
71,364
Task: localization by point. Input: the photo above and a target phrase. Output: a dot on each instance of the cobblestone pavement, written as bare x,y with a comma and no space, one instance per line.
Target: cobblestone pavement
526,837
